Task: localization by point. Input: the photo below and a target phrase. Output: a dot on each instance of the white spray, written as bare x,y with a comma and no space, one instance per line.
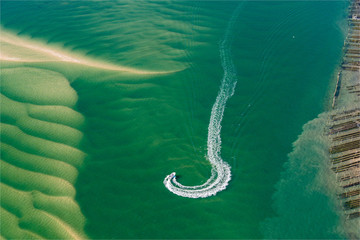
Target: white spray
220,172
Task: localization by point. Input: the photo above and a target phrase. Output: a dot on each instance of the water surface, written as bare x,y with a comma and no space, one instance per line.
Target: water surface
140,127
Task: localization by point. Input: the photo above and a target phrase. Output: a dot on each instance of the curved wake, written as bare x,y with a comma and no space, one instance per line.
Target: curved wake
220,172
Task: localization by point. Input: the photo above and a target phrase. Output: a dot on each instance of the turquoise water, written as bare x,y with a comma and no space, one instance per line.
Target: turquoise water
141,128
306,193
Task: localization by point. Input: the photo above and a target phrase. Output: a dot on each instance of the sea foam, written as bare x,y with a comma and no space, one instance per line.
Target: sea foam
220,172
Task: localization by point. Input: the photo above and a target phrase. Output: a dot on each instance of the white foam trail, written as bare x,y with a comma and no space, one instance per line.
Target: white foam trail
220,172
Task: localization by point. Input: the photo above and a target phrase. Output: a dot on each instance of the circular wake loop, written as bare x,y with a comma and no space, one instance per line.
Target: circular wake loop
220,172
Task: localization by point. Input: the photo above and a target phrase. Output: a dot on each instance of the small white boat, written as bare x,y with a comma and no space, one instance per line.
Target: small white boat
171,176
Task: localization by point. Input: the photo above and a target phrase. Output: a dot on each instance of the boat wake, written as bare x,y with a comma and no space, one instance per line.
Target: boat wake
220,172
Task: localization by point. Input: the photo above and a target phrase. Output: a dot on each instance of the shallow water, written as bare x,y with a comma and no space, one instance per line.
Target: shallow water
139,128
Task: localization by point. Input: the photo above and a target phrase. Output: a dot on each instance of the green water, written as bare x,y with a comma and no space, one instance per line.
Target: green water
141,128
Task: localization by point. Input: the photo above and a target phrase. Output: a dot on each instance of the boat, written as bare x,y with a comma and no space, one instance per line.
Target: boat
171,176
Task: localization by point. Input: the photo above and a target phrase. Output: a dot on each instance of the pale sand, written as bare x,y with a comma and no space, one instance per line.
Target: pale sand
39,165
16,49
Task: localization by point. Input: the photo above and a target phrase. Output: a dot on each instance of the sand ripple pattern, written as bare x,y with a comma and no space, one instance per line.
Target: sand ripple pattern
220,172
41,137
